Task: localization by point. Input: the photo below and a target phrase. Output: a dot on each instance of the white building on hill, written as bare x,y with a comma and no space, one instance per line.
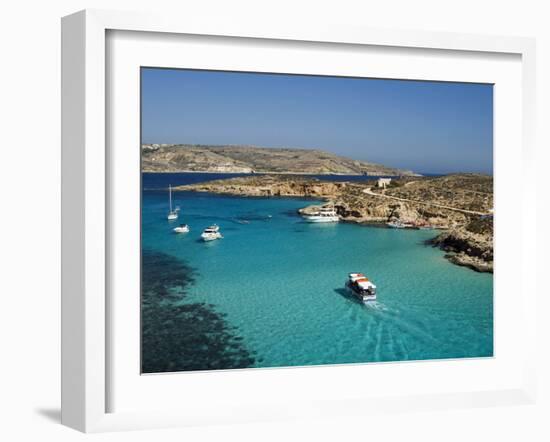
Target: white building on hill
383,182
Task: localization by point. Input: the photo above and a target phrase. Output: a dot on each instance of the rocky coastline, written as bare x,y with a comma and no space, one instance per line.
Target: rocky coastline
470,245
459,205
270,185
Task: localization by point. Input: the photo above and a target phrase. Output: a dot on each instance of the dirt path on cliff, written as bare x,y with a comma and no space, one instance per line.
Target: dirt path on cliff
368,191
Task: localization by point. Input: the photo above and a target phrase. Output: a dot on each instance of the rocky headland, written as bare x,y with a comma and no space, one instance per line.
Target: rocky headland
460,205
470,245
270,185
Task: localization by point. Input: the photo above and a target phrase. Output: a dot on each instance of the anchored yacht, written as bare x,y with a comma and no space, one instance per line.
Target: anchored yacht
182,228
211,233
326,214
360,287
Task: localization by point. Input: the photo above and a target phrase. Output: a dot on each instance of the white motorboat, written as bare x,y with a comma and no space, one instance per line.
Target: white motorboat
326,214
172,214
398,224
182,228
211,233
359,286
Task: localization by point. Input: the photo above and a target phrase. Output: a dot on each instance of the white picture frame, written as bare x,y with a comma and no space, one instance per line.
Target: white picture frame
86,315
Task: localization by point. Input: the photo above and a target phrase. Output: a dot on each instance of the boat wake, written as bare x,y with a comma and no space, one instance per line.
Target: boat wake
393,316
248,216
377,306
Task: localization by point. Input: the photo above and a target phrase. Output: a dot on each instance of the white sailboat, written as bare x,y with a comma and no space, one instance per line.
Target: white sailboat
172,214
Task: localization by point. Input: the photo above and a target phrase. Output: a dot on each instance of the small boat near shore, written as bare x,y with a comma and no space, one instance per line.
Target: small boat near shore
182,228
398,224
326,214
211,233
359,286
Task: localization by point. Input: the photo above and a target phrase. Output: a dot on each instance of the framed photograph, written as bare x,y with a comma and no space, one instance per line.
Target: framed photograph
267,222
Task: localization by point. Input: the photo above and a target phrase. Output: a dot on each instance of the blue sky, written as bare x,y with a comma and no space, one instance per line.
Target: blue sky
430,127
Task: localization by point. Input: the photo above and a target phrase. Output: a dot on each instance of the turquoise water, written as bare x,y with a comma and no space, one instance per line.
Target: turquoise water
273,286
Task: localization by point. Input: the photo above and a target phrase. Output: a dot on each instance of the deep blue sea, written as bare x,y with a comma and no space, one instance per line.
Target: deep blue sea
270,293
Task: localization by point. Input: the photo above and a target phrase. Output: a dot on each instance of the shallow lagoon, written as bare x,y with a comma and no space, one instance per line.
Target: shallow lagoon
274,285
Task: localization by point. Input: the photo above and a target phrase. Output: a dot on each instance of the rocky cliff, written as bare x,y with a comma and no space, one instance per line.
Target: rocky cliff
253,159
469,245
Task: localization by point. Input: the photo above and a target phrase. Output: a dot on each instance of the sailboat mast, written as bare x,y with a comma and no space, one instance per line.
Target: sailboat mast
170,193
